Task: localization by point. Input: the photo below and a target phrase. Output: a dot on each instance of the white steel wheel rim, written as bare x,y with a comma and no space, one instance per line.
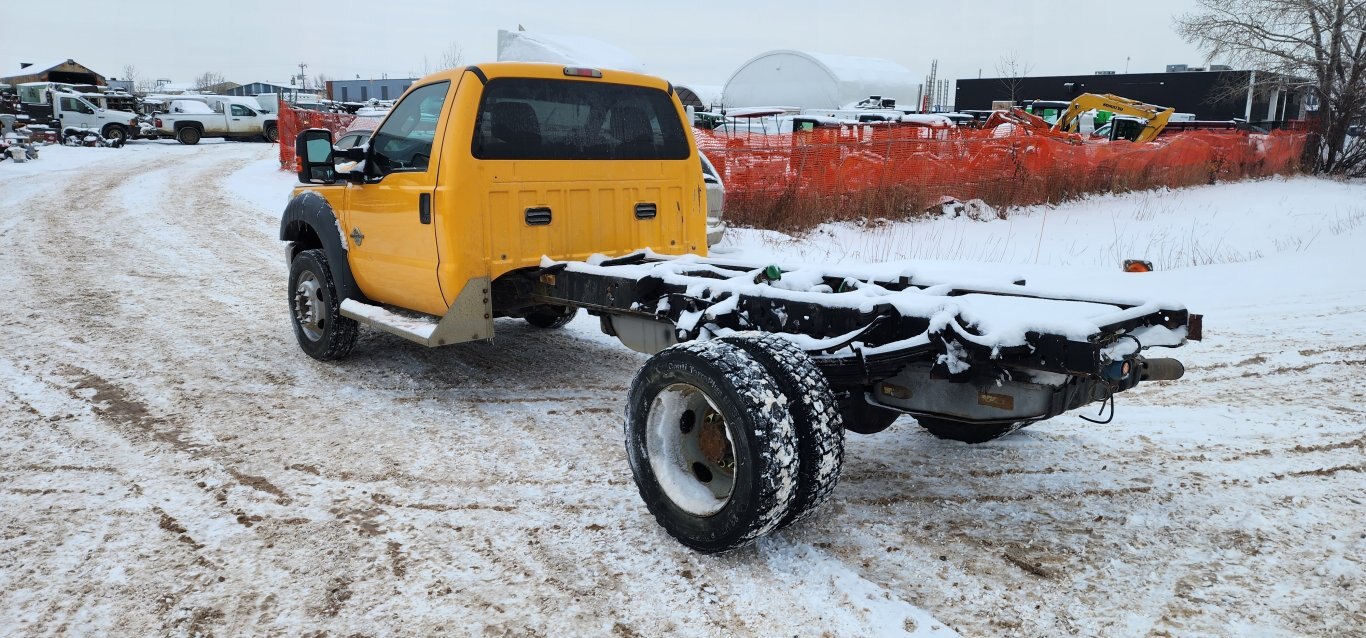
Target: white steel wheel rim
308,306
690,450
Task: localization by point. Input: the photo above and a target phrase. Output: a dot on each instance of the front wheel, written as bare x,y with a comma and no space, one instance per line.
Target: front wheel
116,134
968,432
320,329
712,445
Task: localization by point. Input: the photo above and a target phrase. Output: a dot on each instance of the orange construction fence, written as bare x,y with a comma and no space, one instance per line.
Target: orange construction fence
794,181
293,120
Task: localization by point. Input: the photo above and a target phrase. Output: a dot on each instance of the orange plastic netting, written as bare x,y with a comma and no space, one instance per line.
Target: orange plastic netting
293,120
794,181
797,180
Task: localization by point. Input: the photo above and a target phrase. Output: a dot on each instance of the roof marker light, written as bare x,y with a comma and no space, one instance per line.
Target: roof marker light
582,72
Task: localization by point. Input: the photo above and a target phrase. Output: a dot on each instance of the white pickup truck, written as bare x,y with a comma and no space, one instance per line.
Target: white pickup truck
218,116
74,111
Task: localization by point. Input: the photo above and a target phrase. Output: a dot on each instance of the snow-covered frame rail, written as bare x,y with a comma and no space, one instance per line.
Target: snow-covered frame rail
864,330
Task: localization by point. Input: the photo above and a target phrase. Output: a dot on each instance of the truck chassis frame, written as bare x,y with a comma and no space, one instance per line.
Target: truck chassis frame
734,426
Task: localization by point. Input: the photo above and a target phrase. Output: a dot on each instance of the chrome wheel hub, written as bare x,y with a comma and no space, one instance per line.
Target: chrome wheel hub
690,450
309,312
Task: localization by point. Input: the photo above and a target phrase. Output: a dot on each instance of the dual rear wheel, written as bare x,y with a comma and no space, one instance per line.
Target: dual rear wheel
732,439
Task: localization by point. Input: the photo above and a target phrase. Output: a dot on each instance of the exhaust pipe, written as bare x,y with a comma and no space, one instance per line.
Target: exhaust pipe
1164,369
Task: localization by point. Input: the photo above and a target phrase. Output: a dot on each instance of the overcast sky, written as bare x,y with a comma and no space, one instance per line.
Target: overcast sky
700,42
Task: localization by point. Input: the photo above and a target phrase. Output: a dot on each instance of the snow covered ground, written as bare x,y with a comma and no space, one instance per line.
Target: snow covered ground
171,464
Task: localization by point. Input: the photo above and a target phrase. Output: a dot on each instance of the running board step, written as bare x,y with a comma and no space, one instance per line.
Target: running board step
470,318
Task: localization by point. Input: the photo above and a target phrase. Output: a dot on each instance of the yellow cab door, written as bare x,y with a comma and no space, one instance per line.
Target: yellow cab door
573,166
391,237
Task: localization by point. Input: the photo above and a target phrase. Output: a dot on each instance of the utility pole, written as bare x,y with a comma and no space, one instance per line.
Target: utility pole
303,79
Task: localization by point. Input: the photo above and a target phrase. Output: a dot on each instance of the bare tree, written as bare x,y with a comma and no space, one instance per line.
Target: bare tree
208,80
130,75
452,57
1012,73
320,81
1319,42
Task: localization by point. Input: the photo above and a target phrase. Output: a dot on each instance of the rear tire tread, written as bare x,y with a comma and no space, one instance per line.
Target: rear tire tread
730,377
815,414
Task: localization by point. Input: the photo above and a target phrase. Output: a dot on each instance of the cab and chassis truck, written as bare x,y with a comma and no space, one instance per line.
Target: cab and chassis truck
535,191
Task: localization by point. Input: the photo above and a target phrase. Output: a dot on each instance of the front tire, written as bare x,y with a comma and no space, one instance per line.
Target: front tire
315,310
188,135
971,433
712,445
116,134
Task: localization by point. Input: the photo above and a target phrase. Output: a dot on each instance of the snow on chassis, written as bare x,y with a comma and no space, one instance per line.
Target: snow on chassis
524,190
756,371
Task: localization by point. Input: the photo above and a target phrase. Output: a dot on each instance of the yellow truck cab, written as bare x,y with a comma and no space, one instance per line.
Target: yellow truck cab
478,172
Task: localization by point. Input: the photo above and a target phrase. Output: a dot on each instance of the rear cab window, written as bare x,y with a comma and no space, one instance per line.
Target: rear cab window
540,119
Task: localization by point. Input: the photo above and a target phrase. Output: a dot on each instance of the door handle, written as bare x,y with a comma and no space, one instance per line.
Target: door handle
424,208
538,216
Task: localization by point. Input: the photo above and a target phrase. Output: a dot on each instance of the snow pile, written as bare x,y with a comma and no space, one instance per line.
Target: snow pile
190,107
569,50
972,209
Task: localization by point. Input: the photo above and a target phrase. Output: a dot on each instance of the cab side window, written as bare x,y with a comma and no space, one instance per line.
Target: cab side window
404,141
75,105
241,111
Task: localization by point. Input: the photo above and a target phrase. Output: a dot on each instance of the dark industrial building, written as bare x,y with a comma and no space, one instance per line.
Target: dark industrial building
68,72
362,90
1255,96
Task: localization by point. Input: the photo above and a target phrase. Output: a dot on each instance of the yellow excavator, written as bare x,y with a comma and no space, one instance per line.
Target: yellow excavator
1152,118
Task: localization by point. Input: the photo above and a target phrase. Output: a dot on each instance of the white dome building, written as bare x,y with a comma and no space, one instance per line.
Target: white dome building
570,50
818,81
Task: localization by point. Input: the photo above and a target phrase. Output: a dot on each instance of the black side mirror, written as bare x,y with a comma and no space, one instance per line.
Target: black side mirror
313,148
